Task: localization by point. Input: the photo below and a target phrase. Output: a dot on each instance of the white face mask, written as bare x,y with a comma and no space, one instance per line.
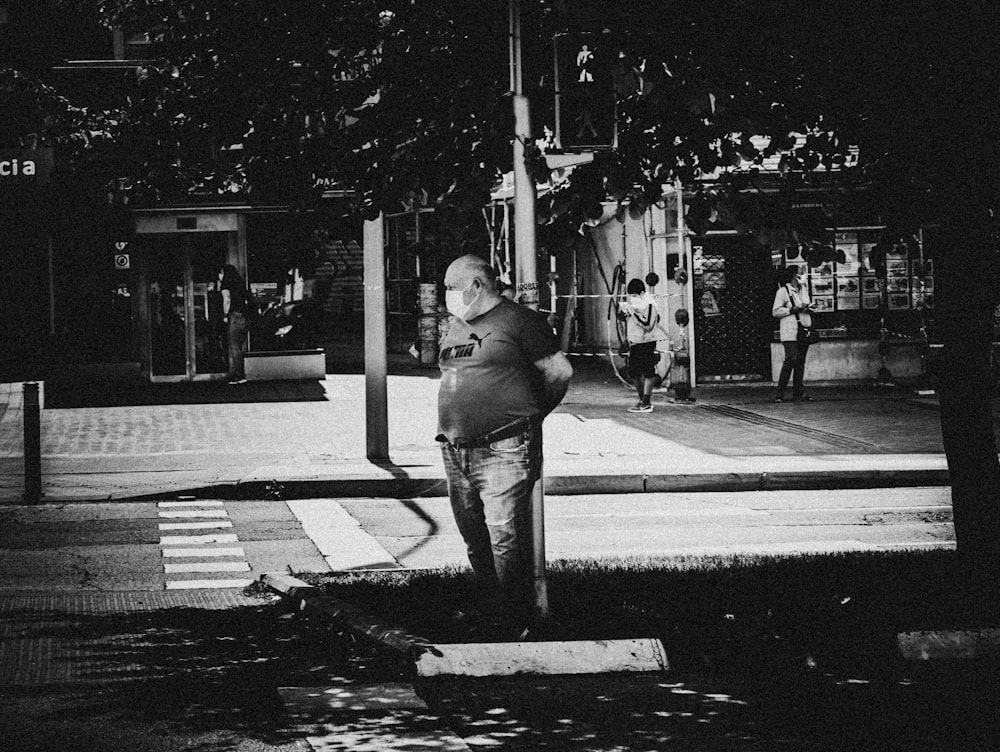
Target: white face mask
454,302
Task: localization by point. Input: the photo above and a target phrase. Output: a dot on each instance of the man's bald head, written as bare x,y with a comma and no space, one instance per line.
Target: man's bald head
467,269
476,279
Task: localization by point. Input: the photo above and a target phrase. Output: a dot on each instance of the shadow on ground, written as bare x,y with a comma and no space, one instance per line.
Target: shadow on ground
201,679
61,394
170,679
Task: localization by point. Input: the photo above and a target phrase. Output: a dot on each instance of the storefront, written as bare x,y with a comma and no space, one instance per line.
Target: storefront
874,299
177,254
27,287
305,278
874,306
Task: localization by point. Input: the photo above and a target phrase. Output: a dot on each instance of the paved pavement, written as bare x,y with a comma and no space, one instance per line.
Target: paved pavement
111,441
125,445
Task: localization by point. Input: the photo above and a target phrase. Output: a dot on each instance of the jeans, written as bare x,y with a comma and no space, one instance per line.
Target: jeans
794,365
490,490
237,335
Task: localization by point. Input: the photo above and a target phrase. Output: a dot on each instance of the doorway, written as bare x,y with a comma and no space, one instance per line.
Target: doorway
732,308
187,336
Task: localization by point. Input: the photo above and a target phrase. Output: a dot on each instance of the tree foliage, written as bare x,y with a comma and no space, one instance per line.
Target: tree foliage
402,98
406,98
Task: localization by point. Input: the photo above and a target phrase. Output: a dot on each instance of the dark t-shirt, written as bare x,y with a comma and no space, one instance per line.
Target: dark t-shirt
488,377
237,298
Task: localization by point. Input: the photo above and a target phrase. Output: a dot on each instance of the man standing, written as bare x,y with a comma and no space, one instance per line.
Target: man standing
502,372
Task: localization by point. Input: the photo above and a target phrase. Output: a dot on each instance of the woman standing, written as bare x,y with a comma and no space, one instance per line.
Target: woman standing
791,307
235,311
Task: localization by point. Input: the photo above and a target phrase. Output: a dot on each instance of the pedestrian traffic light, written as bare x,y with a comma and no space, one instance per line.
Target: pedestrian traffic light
585,98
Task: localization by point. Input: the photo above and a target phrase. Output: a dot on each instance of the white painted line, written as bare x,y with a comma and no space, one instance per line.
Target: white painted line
207,566
168,504
195,525
339,537
194,540
357,735
206,584
949,645
176,553
389,696
182,513
570,657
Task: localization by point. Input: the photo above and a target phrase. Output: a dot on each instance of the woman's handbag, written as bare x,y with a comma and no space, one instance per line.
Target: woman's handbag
806,335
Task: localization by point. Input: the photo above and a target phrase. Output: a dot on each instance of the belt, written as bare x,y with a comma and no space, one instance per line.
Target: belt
514,428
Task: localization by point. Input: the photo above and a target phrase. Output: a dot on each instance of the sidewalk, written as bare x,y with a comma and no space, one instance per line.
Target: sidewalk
108,441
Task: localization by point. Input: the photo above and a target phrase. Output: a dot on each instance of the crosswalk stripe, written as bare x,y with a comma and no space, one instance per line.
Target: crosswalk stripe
206,584
175,553
202,551
195,525
168,504
194,540
207,566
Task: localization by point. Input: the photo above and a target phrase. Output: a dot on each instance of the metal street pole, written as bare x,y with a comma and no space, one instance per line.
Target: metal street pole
524,185
526,288
376,399
31,412
688,255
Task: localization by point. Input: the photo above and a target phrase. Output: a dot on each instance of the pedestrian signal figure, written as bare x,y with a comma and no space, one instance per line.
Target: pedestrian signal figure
642,329
502,372
584,58
791,307
584,61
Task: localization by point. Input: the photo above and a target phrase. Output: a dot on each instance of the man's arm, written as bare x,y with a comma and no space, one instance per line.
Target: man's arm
556,373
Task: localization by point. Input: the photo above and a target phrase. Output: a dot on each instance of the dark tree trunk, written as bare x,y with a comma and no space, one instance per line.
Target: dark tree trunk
967,299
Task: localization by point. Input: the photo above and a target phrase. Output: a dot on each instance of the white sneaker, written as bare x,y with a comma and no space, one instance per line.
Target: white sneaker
641,408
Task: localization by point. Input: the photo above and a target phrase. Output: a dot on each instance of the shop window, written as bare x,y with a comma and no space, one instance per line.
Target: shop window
871,286
307,283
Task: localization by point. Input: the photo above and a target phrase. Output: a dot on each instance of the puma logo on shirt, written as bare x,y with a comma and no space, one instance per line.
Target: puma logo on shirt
464,351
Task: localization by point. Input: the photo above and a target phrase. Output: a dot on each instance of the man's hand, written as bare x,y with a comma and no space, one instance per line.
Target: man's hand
556,373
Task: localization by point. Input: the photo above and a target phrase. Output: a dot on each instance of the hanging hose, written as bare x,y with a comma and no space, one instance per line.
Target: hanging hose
615,290
613,286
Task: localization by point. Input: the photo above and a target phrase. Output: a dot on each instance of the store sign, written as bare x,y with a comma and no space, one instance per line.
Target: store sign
122,261
25,169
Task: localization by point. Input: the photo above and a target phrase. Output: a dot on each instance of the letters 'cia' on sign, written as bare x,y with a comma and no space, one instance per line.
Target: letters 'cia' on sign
25,169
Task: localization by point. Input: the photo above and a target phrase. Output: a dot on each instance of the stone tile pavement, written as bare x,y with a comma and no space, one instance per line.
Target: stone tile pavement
161,439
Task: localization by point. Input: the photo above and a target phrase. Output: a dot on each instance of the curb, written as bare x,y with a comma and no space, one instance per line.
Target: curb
576,485
482,658
555,485
352,617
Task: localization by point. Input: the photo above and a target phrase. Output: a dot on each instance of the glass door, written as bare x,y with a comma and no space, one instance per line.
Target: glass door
167,278
206,253
187,334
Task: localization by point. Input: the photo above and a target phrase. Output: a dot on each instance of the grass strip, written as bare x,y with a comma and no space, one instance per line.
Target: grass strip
810,610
